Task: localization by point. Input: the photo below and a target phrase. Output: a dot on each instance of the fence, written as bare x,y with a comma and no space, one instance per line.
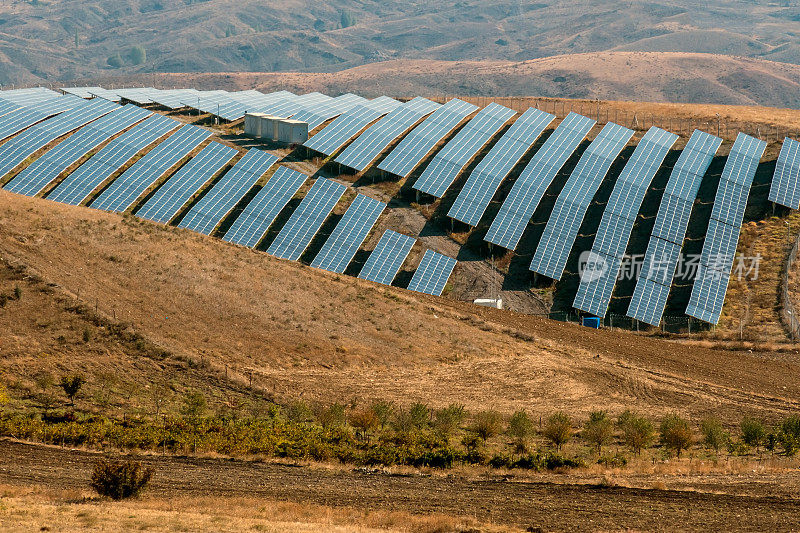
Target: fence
788,313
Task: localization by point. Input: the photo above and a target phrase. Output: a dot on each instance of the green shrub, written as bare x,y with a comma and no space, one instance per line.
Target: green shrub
714,435
448,419
71,386
558,429
637,431
487,424
383,411
332,416
613,461
520,428
598,430
753,432
115,61
789,435
194,405
120,479
676,433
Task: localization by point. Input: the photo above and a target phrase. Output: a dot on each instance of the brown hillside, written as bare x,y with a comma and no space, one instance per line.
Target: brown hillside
320,336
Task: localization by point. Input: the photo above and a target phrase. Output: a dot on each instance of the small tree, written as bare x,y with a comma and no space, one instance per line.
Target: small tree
72,385
17,292
347,19
676,433
598,430
115,61
138,55
383,411
714,436
558,429
420,415
520,428
487,424
448,419
789,435
637,431
333,416
753,432
120,479
194,405
364,421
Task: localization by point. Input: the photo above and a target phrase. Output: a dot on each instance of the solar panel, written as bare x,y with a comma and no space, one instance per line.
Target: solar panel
387,258
448,163
172,99
620,215
28,96
7,107
307,219
79,185
15,122
104,94
181,186
332,137
315,115
207,214
349,234
405,157
146,172
368,146
432,273
54,106
784,189
251,226
136,95
34,179
16,151
648,302
517,210
562,228
598,276
719,246
80,92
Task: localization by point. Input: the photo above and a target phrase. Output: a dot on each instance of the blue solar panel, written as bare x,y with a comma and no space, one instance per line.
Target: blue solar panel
251,226
432,273
518,208
315,115
146,172
7,107
307,219
17,121
648,301
405,157
336,134
461,149
207,214
387,258
784,189
598,276
34,179
180,187
349,234
79,185
286,107
16,151
719,246
562,228
369,145
672,219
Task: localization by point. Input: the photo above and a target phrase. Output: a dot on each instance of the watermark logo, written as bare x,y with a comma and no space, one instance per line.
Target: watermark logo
662,268
592,266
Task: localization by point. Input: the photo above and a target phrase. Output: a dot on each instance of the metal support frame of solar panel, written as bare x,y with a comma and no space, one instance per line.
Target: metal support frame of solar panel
186,182
335,135
448,162
79,185
552,252
619,218
722,237
307,219
415,146
315,115
526,193
432,273
289,106
20,148
255,220
785,187
349,234
369,145
215,205
485,179
131,184
34,179
387,258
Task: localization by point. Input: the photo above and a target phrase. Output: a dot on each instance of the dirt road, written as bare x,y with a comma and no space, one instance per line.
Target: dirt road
547,504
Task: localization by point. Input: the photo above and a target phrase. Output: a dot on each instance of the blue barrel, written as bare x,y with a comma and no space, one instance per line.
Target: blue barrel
591,322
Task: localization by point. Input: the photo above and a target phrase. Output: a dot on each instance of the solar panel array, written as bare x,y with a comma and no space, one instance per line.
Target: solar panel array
290,105
14,152
34,179
80,92
128,187
80,184
719,247
448,162
432,273
405,157
307,219
212,208
105,94
25,97
335,135
369,145
785,188
140,96
594,293
315,115
571,205
173,99
168,200
387,258
260,213
349,234
517,209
